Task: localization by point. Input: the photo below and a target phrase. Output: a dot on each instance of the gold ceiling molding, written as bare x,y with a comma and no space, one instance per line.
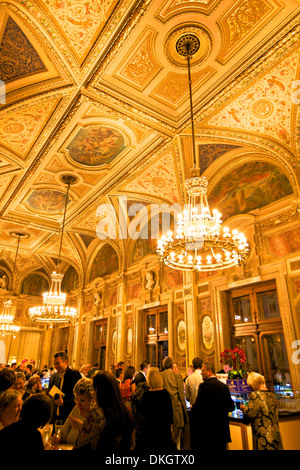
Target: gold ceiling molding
243,20
26,126
159,179
42,152
288,40
33,46
171,8
105,111
57,165
140,133
265,107
111,187
173,89
79,23
127,110
128,14
140,66
284,217
170,44
241,137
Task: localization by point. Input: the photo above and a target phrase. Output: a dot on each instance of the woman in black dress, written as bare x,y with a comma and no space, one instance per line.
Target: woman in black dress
118,432
156,416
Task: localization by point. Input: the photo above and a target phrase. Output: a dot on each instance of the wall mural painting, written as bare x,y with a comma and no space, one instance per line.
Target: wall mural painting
96,146
129,342
181,335
70,280
4,281
249,187
207,332
208,153
47,200
134,291
106,262
113,298
114,344
88,304
150,233
174,278
283,244
34,284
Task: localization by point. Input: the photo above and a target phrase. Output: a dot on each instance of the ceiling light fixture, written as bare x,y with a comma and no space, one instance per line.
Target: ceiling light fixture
54,309
201,243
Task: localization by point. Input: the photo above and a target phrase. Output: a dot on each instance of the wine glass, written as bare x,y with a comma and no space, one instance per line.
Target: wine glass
46,434
58,425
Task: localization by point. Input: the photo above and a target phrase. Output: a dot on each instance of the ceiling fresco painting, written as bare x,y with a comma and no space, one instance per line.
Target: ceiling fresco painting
249,187
44,200
96,146
98,89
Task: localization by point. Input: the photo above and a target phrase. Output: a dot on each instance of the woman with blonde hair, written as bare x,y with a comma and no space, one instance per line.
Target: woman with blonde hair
157,416
262,411
85,422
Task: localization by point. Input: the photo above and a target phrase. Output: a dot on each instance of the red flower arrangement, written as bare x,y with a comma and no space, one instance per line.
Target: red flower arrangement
238,358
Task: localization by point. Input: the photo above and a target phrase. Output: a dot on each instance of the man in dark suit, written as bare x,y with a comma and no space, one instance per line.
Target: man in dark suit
141,375
64,379
210,411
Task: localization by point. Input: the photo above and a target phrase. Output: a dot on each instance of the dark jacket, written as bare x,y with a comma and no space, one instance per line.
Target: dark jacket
139,377
20,436
210,414
71,377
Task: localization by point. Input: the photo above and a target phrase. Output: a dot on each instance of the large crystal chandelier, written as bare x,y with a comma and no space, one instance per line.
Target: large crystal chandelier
7,324
201,242
54,309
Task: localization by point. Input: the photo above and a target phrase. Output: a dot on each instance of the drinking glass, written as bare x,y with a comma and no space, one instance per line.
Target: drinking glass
58,425
46,433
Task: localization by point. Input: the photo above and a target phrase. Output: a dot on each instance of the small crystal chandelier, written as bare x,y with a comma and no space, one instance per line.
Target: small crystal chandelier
54,309
7,325
201,243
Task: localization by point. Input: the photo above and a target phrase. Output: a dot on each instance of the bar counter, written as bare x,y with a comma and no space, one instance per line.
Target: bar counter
241,433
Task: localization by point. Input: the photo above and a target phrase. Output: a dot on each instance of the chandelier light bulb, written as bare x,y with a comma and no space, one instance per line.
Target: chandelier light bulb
201,243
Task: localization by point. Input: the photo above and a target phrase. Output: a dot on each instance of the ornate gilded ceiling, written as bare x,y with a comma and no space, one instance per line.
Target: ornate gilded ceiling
97,89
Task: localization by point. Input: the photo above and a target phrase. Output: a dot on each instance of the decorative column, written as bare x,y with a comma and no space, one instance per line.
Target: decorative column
120,318
78,332
190,309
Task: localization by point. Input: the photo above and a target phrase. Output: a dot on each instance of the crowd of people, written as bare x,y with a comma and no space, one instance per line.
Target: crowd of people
122,409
